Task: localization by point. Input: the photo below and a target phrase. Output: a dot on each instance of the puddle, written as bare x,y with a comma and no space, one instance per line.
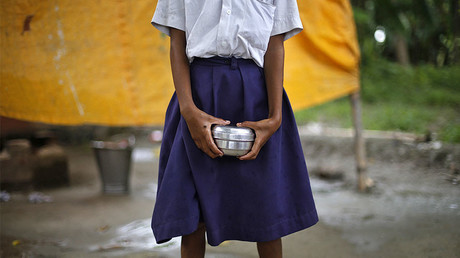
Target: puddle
135,237
149,191
369,221
326,186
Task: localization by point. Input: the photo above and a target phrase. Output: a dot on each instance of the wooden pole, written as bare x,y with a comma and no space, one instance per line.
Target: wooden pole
360,148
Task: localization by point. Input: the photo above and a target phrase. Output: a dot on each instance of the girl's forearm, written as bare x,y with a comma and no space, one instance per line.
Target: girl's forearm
274,75
198,122
274,68
181,71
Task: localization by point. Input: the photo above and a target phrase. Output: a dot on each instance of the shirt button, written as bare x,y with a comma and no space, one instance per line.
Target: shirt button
229,12
224,43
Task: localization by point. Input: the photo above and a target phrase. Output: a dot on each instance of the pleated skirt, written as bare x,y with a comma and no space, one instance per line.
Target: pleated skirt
258,200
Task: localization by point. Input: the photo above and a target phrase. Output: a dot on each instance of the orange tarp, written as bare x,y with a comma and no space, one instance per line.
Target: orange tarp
101,62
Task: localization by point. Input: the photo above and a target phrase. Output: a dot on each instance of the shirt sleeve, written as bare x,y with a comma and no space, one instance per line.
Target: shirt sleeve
169,14
286,19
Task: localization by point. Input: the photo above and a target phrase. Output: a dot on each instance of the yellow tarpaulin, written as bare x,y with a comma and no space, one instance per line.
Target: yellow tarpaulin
101,62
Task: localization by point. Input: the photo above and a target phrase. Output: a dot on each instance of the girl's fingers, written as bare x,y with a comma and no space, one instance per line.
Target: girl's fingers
213,147
249,124
204,140
205,148
219,121
249,156
210,141
254,151
198,144
255,147
211,154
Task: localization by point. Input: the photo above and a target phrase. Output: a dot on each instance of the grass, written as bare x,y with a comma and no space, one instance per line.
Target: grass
410,99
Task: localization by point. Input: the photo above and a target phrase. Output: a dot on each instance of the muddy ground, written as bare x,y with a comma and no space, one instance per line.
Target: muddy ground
412,210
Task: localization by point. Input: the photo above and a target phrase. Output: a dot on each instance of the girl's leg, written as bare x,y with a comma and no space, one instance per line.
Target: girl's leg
194,245
270,249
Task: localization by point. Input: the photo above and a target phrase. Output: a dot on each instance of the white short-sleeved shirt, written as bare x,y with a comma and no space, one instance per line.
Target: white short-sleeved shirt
240,28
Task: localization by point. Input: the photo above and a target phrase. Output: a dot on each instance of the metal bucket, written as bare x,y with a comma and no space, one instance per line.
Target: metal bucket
114,162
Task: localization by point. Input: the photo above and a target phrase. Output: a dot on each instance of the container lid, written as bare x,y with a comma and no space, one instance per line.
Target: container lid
229,132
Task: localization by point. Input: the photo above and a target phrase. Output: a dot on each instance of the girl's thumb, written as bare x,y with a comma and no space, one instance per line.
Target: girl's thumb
244,124
222,122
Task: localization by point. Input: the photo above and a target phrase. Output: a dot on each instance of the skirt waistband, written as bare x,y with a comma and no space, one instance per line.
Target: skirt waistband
232,61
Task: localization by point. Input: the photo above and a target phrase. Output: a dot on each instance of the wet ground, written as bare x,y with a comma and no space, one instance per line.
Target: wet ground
412,211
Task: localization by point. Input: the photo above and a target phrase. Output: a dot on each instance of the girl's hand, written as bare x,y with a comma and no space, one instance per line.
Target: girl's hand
199,124
264,129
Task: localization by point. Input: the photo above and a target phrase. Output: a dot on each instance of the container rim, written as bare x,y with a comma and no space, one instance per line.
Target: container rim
233,133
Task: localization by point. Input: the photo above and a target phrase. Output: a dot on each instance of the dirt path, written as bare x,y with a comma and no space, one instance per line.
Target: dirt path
413,211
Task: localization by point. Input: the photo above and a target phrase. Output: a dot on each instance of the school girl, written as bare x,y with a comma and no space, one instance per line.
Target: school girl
227,62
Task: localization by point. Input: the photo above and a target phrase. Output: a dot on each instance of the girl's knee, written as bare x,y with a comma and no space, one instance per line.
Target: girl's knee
201,226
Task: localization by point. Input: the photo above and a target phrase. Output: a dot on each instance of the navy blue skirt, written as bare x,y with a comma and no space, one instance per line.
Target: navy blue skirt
258,200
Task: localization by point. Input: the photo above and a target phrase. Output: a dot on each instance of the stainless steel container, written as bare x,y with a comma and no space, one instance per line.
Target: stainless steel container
233,140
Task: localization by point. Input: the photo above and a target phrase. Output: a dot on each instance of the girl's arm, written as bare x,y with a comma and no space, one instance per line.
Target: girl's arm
274,73
198,122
